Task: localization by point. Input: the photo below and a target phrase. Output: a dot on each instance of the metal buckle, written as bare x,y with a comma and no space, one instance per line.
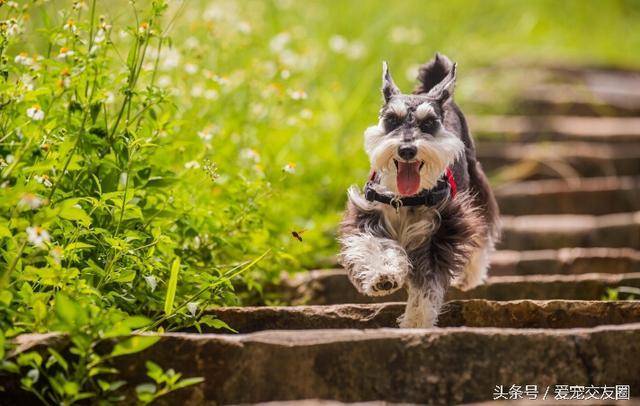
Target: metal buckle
396,203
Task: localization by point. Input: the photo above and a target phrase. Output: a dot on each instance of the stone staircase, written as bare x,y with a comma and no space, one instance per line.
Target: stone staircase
570,196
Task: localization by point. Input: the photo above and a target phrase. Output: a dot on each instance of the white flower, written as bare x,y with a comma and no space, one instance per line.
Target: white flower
192,165
285,74
38,236
35,113
191,68
211,94
152,282
279,42
109,98
250,155
197,90
100,36
64,53
44,180
164,81
207,134
23,59
31,201
297,94
306,114
70,25
191,42
290,168
356,50
401,34
193,308
244,27
338,44
57,254
13,27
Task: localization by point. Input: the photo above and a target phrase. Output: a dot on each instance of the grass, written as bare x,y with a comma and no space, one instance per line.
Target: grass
156,158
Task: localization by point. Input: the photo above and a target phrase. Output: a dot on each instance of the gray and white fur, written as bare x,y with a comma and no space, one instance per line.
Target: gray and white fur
424,249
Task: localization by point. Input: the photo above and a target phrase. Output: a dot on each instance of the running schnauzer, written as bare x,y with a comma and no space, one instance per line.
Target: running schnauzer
428,217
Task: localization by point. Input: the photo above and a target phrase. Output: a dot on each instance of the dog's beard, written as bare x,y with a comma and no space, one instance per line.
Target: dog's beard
434,155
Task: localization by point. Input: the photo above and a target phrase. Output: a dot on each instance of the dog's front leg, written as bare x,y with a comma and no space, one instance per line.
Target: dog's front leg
376,266
426,294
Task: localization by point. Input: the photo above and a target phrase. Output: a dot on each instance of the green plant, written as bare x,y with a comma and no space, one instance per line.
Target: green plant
165,382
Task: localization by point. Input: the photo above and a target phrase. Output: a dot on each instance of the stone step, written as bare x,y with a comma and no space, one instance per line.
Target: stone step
575,196
436,366
565,261
541,232
556,128
561,159
559,99
458,313
328,287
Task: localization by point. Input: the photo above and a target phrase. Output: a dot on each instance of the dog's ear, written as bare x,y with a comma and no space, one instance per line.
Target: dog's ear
443,91
389,89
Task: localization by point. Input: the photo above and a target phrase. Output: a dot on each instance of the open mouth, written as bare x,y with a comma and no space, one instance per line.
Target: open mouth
408,176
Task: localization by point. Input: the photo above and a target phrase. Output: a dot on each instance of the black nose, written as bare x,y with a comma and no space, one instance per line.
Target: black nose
407,152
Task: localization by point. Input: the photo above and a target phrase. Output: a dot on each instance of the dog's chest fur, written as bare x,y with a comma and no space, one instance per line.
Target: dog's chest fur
410,226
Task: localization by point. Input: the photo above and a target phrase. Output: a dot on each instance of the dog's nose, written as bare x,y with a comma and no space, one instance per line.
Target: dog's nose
407,152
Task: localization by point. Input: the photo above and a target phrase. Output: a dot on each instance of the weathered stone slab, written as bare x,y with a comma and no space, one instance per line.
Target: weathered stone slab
565,261
594,196
540,232
435,366
556,128
469,313
333,287
559,159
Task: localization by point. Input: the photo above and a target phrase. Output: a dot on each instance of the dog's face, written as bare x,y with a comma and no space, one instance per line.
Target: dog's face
410,148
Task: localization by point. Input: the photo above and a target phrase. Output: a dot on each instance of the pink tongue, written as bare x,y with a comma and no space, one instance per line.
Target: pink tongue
408,180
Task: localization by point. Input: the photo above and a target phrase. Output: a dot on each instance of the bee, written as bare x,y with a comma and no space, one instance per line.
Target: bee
297,234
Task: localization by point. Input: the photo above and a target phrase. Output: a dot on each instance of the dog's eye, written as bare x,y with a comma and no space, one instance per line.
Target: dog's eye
392,122
429,125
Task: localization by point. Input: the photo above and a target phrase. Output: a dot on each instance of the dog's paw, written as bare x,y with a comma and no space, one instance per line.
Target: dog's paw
464,283
378,282
383,284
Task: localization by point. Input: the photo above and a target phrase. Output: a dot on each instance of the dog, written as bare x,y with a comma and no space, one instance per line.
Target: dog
427,217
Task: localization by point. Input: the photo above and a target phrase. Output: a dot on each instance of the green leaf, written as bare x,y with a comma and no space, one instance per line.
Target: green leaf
68,312
6,297
171,286
77,246
133,344
59,358
73,212
188,382
2,342
212,322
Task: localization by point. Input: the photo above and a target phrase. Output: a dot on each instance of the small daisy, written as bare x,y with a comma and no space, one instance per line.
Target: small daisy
43,180
64,53
70,25
38,236
250,155
144,27
298,94
23,59
56,253
31,201
35,113
289,168
191,68
192,165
